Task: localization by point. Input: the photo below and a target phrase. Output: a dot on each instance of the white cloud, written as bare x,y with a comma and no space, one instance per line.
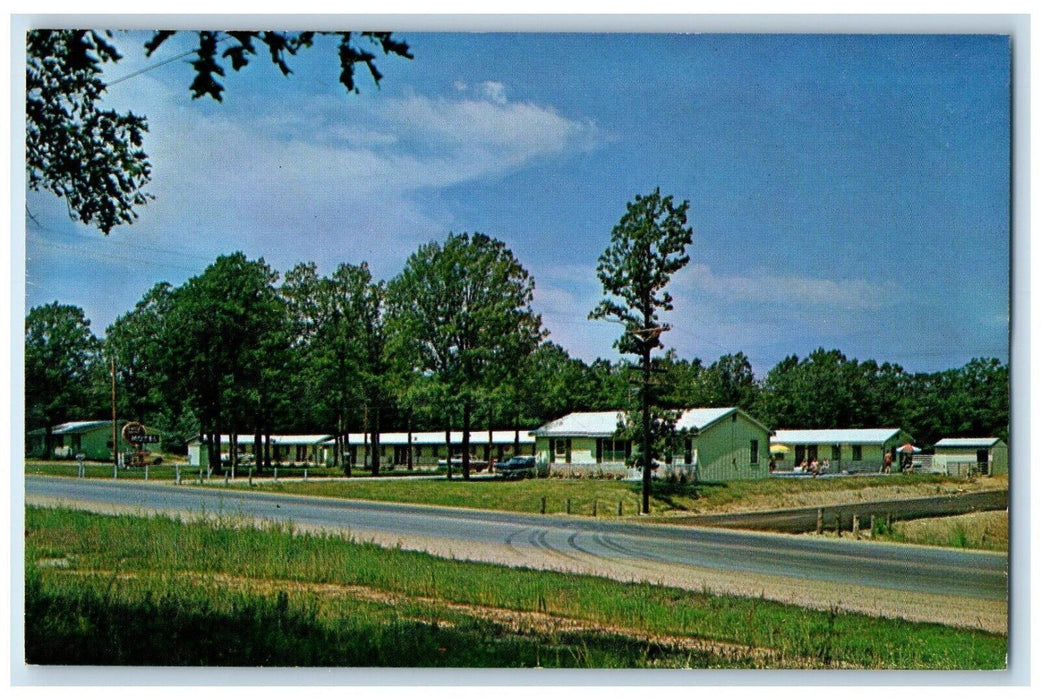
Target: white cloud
790,291
334,179
496,92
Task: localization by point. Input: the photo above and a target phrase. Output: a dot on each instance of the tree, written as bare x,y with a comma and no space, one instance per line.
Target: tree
461,312
136,343
338,340
648,246
226,343
94,158
729,382
59,350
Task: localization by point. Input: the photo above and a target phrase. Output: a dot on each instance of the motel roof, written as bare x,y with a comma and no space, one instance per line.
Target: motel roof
275,439
74,427
437,437
969,442
838,436
605,423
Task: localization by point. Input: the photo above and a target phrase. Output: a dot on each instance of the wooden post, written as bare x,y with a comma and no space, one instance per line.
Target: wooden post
820,520
856,526
838,523
542,506
872,524
567,506
251,477
594,507
619,508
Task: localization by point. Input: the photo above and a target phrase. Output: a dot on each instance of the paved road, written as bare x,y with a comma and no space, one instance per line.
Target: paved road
958,573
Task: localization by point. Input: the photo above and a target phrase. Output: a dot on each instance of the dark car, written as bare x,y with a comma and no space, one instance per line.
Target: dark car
517,468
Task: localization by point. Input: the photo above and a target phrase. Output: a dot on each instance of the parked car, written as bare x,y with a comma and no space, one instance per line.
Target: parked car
517,468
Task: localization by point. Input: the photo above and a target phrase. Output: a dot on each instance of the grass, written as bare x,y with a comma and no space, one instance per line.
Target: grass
971,531
605,495
129,590
104,470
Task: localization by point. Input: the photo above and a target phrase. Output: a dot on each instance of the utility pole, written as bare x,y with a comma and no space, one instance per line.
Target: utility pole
115,436
648,337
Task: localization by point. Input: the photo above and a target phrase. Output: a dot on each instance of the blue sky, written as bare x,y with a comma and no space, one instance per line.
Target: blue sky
849,192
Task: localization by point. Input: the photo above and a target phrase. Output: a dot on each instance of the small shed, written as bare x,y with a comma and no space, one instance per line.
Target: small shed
960,456
714,444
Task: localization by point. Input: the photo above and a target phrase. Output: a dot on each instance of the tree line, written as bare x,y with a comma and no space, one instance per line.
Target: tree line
242,350
451,343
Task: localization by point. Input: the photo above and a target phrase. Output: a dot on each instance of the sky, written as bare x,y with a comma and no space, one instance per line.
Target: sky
846,191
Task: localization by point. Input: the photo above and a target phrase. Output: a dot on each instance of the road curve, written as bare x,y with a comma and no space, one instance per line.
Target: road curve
947,572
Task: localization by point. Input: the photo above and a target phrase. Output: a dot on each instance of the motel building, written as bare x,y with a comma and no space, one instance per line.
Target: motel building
429,449
849,450
91,438
713,444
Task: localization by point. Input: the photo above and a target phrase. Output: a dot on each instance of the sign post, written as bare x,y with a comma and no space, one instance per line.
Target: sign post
135,434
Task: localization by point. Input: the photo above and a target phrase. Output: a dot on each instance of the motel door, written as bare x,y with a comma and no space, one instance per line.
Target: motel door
982,462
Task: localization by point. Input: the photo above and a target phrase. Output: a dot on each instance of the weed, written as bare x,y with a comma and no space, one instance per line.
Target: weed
192,593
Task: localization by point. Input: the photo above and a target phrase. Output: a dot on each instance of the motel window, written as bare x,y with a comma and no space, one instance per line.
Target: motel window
610,450
560,450
753,451
858,453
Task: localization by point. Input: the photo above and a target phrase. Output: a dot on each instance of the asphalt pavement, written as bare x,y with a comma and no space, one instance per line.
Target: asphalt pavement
908,568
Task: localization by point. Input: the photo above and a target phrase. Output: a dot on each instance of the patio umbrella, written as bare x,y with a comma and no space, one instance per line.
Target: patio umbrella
908,448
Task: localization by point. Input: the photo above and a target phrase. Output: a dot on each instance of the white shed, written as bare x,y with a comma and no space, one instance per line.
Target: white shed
986,455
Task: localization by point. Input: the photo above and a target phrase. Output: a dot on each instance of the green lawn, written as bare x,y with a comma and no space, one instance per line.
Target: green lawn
128,590
602,497
605,495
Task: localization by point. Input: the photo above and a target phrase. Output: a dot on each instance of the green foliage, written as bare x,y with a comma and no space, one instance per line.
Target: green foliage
60,350
226,344
133,589
136,341
90,157
338,339
827,390
241,47
94,158
648,245
459,315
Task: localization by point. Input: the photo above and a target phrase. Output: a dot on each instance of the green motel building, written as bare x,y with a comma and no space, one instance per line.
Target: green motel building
712,444
92,439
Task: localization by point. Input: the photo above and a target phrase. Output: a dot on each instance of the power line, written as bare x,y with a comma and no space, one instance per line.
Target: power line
154,66
146,69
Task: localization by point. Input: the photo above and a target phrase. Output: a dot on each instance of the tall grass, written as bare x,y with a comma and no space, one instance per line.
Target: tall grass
210,587
603,496
989,530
